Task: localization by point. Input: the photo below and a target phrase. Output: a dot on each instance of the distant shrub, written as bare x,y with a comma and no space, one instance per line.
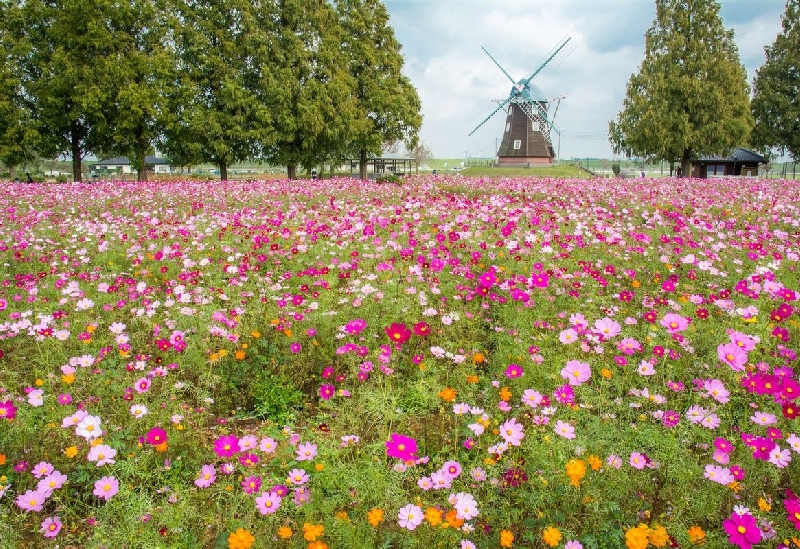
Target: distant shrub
615,168
389,178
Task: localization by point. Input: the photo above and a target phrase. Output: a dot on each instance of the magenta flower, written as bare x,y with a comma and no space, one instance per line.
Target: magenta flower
7,410
268,502
295,347
792,505
398,333
156,436
513,371
106,488
207,476
226,445
251,484
576,372
63,399
248,459
326,391
742,530
50,527
32,500
401,447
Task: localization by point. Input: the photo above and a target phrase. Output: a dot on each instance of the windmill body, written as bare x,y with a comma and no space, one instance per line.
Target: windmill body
527,136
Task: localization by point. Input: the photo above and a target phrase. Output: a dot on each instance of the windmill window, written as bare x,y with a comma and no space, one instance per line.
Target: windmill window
508,126
535,126
517,144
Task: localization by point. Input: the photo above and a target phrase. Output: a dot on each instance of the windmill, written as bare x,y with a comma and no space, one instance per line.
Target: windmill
527,138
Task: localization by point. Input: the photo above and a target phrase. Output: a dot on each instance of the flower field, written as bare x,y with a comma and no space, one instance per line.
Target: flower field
457,363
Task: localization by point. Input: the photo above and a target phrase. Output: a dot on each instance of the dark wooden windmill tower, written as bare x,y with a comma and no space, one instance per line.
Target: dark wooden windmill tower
527,137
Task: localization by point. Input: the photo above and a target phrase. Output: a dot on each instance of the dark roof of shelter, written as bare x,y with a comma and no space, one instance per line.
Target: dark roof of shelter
739,154
123,161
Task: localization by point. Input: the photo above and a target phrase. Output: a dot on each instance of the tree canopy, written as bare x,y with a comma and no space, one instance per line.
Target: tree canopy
690,97
776,99
284,81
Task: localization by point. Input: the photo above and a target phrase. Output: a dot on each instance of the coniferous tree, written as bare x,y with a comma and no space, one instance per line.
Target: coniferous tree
690,96
388,104
215,114
776,99
18,136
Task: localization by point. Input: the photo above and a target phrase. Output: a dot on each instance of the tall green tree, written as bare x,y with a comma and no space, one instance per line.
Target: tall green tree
70,74
215,113
690,97
388,104
776,99
18,136
309,89
144,67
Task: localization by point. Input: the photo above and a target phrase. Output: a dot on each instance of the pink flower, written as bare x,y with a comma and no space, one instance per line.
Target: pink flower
401,447
410,516
732,355
297,477
106,488
637,460
716,390
50,527
226,445
32,500
42,469
568,336
207,477
251,484
565,430
102,454
267,445
674,323
268,502
295,347
306,451
607,328
576,372
512,432
742,530
451,469
142,385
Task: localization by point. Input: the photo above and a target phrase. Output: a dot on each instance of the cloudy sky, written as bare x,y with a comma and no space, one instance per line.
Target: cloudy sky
457,82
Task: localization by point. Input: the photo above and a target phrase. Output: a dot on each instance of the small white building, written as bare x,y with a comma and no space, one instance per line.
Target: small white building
121,165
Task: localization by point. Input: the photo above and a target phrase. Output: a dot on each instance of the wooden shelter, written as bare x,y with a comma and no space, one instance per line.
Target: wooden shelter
396,164
741,162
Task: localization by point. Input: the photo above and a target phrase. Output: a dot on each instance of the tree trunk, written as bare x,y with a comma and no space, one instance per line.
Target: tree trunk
362,164
223,171
12,170
291,171
686,167
77,175
141,173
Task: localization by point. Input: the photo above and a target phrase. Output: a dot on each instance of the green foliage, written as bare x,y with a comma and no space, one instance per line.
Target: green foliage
388,106
776,99
389,178
690,96
615,168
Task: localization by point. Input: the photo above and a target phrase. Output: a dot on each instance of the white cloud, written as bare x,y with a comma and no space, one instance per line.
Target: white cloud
457,82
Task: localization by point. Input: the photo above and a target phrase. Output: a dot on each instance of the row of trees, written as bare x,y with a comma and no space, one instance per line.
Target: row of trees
288,82
691,96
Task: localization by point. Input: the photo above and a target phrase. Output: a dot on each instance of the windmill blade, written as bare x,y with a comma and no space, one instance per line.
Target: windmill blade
502,104
549,58
537,112
498,66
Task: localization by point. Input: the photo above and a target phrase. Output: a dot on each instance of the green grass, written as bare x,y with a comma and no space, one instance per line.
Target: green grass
564,172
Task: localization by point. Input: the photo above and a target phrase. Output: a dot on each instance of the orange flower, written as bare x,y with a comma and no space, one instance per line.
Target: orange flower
2,459
606,373
697,535
342,515
317,545
255,334
284,532
472,379
433,516
478,358
576,470
162,447
551,536
636,283
636,538
505,394
312,531
241,539
452,519
595,462
447,394
68,379
506,538
658,536
375,516
239,354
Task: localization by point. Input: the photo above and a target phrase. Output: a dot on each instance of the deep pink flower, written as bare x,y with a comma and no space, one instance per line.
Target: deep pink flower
513,371
226,445
422,328
251,484
156,436
7,410
398,333
742,530
401,447
326,391
792,505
